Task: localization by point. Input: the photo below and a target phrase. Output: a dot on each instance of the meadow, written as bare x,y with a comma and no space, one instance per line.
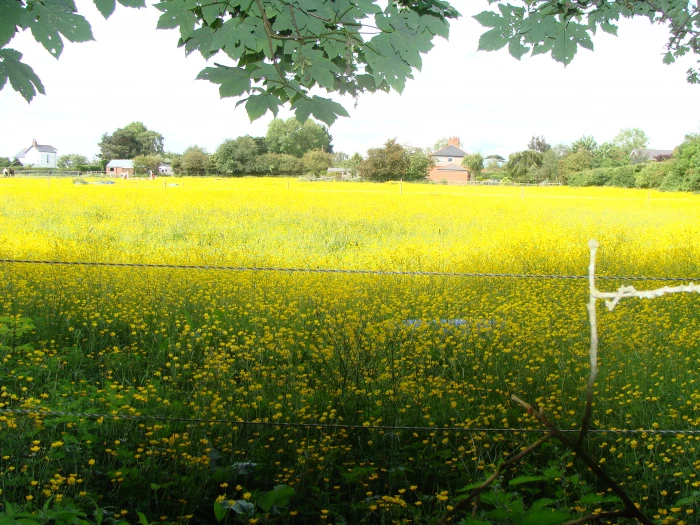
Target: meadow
260,396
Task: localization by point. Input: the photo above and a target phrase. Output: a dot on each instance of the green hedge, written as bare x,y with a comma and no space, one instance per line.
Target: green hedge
88,167
621,176
653,174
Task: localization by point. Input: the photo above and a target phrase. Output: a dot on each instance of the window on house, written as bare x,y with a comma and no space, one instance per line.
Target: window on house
449,159
47,160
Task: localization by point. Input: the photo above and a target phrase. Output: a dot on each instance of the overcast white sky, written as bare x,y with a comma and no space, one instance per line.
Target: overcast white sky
133,72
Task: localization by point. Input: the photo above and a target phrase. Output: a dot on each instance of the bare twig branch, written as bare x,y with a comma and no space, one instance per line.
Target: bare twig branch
476,491
597,517
631,509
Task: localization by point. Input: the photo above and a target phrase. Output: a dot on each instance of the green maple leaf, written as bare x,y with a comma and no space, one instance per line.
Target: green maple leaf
10,17
493,40
564,47
178,13
53,19
233,81
22,77
258,105
322,109
106,7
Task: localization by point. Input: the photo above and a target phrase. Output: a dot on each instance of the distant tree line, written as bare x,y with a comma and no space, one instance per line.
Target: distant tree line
587,163
292,148
288,148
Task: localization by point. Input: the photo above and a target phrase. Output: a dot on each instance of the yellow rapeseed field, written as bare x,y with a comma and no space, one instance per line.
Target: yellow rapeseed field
270,349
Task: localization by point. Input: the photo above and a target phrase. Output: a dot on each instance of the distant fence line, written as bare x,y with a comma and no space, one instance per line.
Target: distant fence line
57,173
342,271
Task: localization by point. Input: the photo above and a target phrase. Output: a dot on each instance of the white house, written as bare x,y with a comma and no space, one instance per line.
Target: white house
38,156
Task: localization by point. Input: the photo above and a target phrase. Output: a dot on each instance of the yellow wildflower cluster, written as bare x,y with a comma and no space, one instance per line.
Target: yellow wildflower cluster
268,349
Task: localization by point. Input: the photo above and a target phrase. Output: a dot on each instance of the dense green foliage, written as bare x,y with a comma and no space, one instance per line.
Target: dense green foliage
475,164
146,163
680,173
390,162
685,175
71,160
131,140
519,164
623,176
279,51
235,155
295,138
195,161
419,163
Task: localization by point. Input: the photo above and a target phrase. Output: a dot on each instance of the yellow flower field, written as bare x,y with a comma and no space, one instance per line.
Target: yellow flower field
261,351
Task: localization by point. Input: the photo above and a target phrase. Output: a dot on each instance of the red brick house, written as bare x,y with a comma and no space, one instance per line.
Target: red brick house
448,163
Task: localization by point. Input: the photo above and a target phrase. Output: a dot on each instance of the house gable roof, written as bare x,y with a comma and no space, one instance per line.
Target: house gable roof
648,154
41,148
120,163
450,151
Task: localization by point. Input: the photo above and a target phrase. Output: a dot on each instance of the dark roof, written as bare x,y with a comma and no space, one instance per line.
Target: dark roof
41,148
450,151
649,154
452,167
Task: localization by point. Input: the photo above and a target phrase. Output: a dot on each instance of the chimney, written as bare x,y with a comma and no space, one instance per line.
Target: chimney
34,143
453,141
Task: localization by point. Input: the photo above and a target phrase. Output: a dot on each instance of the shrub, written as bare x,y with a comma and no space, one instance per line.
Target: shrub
88,167
596,177
685,175
652,174
624,176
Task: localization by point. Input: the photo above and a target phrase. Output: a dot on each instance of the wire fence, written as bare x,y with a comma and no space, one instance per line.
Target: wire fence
343,271
338,425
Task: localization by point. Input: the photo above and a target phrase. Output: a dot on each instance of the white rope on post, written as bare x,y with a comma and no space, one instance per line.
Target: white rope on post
611,301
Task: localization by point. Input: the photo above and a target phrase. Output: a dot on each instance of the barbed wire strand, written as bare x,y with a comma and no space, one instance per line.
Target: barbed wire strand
338,271
129,417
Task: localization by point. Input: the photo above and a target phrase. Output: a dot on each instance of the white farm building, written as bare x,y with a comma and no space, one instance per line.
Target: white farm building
38,156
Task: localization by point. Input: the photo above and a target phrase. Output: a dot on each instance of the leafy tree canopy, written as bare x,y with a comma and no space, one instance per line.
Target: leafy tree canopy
145,163
71,160
195,161
586,142
580,160
631,138
278,51
440,143
317,162
538,144
295,138
388,163
130,141
521,162
685,175
475,164
236,156
419,163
